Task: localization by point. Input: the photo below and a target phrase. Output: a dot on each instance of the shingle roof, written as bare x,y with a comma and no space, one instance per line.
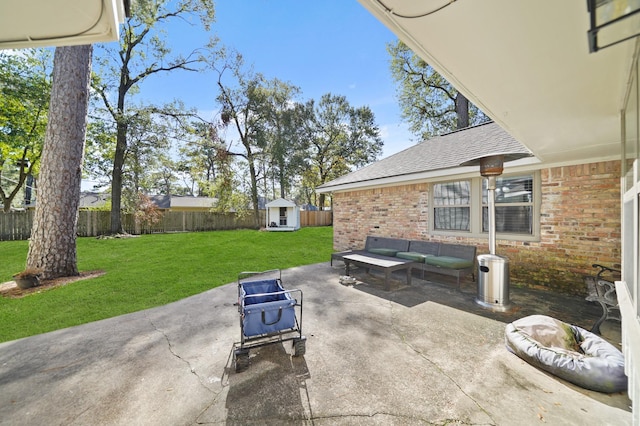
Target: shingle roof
161,201
189,201
280,202
442,152
93,199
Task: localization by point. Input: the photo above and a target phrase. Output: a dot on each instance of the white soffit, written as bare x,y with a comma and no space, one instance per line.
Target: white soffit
40,23
526,64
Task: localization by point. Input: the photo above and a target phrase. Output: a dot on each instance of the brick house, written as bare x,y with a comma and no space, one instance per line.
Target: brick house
553,220
563,79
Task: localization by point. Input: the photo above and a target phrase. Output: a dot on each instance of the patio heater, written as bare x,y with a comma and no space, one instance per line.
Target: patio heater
493,270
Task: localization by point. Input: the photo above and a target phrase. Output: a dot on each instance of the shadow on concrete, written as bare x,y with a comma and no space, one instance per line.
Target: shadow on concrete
443,290
275,389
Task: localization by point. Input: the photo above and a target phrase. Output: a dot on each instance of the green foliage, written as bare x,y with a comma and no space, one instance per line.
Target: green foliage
427,100
226,187
141,53
279,139
198,160
286,133
25,87
148,271
243,102
99,149
342,137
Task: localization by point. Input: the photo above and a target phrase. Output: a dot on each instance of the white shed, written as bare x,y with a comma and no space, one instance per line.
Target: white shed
282,215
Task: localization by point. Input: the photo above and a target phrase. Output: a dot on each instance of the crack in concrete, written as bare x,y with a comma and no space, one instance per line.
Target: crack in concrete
430,361
193,371
404,419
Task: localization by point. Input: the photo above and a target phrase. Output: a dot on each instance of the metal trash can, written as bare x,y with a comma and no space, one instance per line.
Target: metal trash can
493,282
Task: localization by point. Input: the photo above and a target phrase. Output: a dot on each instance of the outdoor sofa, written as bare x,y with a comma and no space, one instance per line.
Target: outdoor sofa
430,256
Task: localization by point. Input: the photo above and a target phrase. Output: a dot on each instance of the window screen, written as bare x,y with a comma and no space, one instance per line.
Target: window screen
514,205
451,202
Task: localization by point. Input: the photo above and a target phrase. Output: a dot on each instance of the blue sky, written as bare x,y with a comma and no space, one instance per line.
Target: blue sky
324,46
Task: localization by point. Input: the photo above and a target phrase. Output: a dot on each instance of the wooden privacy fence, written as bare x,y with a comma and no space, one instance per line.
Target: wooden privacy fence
316,218
17,225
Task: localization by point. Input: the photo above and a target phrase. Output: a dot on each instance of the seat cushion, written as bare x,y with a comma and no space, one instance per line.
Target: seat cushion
383,251
413,255
448,262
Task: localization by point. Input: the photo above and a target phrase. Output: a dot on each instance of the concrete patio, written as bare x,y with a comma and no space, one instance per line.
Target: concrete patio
424,354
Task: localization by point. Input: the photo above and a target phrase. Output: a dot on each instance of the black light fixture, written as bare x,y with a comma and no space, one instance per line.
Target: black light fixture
612,22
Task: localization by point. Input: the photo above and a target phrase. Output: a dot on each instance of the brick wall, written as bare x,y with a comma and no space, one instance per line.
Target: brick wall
579,224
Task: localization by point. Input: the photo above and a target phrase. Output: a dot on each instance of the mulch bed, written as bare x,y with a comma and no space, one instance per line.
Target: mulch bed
12,291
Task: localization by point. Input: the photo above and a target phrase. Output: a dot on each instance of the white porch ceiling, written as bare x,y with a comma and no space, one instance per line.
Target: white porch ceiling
526,64
39,23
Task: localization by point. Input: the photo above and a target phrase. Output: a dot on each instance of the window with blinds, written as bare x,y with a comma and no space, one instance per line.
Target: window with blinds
514,205
461,206
452,205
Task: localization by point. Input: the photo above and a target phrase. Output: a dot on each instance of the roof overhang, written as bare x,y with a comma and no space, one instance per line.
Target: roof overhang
526,64
40,23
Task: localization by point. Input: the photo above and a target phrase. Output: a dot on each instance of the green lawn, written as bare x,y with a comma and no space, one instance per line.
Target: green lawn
148,271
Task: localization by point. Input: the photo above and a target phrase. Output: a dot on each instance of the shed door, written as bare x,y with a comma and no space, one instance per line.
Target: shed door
283,216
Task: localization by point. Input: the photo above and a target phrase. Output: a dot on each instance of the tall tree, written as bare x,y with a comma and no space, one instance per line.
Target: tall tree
286,133
142,52
197,162
52,247
25,89
148,142
428,102
342,137
242,104
99,151
227,186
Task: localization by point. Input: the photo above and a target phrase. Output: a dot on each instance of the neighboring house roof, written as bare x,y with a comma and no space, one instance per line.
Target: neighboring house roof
280,202
442,152
99,199
185,201
161,201
93,200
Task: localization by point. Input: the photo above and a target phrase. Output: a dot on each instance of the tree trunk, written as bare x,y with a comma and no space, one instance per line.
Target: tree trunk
282,179
283,183
254,192
321,200
52,247
118,166
462,111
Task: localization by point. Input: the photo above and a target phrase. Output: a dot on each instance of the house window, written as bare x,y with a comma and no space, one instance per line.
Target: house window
462,207
514,205
283,216
452,206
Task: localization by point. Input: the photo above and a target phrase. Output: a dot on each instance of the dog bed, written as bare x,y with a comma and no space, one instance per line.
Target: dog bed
567,351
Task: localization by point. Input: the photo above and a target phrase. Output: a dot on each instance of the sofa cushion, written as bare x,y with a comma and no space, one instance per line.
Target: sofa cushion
413,255
448,262
383,251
